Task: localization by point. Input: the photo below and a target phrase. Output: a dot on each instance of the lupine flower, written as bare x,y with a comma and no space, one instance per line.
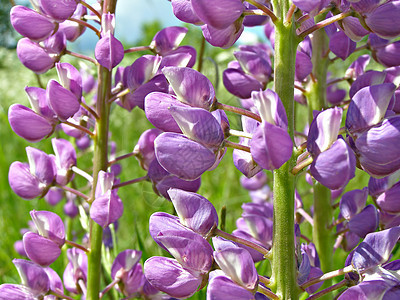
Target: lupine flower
58,10
126,268
35,282
44,247
62,101
271,145
34,179
369,259
168,39
75,273
107,206
65,159
341,45
357,67
383,20
71,29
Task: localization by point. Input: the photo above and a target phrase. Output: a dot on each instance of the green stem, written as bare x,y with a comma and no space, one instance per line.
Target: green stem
323,212
100,162
284,269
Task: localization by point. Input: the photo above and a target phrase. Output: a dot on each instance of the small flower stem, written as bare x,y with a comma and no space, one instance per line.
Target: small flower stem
336,80
338,241
136,180
60,295
265,9
89,7
81,128
137,49
342,231
337,222
305,163
109,287
236,146
303,90
238,110
82,173
306,216
305,238
238,133
39,81
264,280
267,292
120,94
332,288
201,53
327,276
111,162
325,23
290,13
83,23
239,240
90,110
81,56
75,192
75,245
223,218
254,12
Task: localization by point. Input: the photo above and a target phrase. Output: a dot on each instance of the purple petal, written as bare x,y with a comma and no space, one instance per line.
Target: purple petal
181,156
220,15
388,200
22,182
30,23
62,101
255,65
183,56
190,86
40,250
144,149
389,55
32,276
171,181
141,71
365,222
41,165
379,148
357,67
125,262
368,106
341,45
271,146
324,130
194,211
314,273
199,125
238,264
383,20
168,39
353,202
183,10
168,276
221,287
70,78
303,66
353,28
15,292
223,38
49,225
156,107
334,167
375,249
38,101
270,107
370,78
34,57
191,250
240,84
106,209
65,159
59,10
109,51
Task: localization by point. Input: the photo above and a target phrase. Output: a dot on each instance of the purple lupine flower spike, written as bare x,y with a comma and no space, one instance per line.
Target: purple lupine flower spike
194,211
30,23
107,206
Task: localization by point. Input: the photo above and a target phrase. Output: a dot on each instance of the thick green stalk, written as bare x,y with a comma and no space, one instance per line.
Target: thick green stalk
284,269
100,162
322,236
